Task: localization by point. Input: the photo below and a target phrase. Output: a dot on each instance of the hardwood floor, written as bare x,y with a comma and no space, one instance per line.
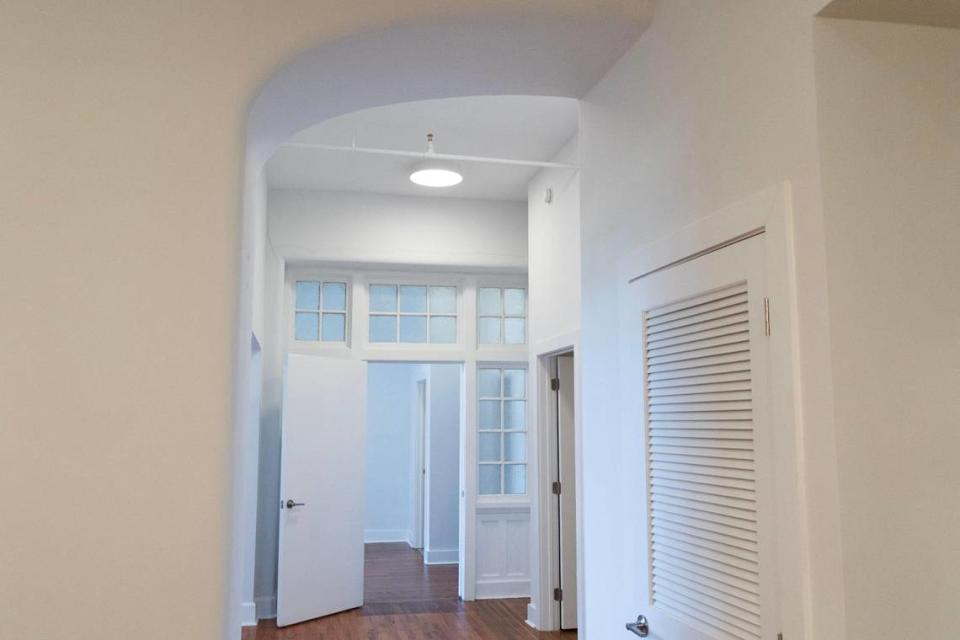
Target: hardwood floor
407,600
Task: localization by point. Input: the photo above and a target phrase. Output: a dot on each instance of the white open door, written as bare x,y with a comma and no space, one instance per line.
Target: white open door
320,567
696,376
566,458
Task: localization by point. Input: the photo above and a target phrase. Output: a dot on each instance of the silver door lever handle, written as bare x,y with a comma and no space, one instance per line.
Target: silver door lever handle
640,627
291,504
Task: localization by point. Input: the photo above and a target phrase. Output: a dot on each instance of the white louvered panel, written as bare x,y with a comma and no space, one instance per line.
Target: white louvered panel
701,463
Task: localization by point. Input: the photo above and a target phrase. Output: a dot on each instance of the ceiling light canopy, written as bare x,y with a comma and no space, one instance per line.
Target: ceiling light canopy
433,173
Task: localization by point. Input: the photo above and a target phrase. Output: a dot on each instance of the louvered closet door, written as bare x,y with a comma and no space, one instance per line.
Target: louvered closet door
698,368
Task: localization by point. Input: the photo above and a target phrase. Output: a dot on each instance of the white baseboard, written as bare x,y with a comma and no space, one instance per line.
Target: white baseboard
266,607
441,556
386,535
248,614
532,615
495,589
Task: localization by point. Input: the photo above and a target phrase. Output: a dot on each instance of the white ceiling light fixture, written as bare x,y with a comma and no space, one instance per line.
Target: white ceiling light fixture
434,173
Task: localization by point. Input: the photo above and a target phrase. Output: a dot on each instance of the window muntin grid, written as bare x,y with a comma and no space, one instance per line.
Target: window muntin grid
502,431
320,311
502,316
412,314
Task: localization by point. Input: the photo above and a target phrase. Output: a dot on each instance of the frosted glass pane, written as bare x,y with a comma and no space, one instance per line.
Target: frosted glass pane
307,326
308,295
513,331
489,479
383,297
413,299
514,383
383,328
443,299
489,414
334,296
489,330
334,327
489,302
515,447
443,330
413,328
514,414
515,479
489,383
514,302
489,447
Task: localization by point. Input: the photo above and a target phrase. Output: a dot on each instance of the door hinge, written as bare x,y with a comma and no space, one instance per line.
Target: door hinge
556,488
766,325
558,595
555,384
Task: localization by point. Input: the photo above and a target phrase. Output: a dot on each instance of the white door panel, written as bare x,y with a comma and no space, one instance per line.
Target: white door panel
320,567
695,389
568,483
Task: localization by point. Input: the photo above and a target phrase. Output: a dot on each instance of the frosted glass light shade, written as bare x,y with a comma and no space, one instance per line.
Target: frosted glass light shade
435,175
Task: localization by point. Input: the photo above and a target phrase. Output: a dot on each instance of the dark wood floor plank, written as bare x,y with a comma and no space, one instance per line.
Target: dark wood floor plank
407,600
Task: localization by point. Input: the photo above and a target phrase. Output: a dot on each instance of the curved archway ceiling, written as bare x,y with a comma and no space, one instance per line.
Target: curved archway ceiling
534,53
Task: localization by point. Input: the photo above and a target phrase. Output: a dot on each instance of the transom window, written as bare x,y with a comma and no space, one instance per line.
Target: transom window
503,315
502,431
321,311
409,313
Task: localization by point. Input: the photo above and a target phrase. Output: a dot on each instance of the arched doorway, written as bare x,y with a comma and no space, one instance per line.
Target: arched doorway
506,54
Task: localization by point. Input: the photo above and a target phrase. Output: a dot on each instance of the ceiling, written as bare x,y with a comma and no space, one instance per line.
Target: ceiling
516,127
934,13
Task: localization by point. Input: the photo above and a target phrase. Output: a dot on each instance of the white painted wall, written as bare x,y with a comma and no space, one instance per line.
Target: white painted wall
442,536
554,249
399,230
268,492
889,102
247,515
391,436
715,102
554,274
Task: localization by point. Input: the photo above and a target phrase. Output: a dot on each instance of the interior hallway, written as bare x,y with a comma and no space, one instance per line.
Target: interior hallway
405,599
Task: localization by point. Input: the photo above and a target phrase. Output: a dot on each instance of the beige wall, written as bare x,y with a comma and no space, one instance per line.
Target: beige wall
889,101
121,161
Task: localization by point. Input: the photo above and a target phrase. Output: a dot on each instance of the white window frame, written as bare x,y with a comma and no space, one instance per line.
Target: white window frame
305,274
502,463
502,284
416,280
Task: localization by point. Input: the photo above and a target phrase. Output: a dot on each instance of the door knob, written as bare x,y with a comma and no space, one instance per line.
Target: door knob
640,627
291,504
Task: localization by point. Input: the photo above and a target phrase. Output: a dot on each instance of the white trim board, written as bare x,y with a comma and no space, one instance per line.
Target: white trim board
508,588
375,536
441,556
266,607
248,614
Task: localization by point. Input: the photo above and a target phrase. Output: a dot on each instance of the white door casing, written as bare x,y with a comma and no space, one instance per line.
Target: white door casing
420,515
566,436
320,566
697,422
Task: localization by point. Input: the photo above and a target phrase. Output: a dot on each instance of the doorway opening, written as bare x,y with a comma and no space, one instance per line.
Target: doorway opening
412,476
